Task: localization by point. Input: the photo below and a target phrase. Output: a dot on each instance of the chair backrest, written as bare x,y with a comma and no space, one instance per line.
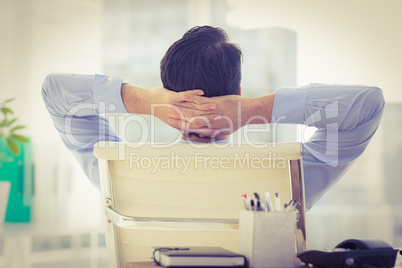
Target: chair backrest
189,194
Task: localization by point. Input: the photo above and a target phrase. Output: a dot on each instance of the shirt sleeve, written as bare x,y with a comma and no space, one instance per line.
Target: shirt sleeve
346,118
76,104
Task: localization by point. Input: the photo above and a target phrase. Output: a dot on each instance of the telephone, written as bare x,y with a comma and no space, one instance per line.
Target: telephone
353,253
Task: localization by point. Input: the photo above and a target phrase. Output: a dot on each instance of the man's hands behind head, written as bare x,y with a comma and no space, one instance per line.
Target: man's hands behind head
234,112
190,112
171,107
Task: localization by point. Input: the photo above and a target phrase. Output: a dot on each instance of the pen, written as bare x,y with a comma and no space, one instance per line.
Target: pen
277,202
259,207
246,201
292,205
258,203
252,204
268,202
286,207
264,206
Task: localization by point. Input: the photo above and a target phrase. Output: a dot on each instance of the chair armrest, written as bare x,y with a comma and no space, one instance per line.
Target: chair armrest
183,224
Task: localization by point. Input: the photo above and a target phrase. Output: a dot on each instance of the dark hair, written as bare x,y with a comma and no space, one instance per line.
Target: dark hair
203,59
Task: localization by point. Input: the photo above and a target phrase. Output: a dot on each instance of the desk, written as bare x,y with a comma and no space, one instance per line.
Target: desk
148,264
153,264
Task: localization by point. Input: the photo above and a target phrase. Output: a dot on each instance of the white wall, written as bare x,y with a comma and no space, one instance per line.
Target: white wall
37,38
358,42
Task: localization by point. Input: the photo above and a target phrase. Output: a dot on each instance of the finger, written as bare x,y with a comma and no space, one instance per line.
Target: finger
204,120
201,107
199,102
179,96
185,113
186,127
182,113
193,92
194,98
205,106
198,138
186,104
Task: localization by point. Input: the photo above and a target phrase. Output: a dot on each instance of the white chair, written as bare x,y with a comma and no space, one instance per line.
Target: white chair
189,194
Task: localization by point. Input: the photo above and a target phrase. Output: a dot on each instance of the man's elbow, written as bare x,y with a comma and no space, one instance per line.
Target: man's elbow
48,86
376,100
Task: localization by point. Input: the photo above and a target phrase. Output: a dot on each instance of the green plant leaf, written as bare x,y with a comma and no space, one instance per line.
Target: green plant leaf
14,148
3,123
8,100
10,122
16,128
19,138
6,110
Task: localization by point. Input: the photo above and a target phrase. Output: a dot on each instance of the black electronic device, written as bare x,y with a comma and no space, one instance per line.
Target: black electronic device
353,253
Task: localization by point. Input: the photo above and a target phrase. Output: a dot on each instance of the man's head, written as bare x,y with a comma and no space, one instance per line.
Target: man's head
203,59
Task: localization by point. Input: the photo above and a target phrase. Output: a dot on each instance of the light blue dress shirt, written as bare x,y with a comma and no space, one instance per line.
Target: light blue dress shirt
346,118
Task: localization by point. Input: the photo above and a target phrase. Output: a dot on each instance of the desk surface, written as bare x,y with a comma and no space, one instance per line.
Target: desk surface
148,264
153,264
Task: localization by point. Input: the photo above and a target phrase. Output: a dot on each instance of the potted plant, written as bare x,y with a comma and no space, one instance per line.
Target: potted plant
8,131
16,165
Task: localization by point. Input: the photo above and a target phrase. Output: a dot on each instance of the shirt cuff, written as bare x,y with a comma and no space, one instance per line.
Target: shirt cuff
289,105
107,94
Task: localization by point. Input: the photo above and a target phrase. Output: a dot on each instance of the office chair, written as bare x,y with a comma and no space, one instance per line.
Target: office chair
189,194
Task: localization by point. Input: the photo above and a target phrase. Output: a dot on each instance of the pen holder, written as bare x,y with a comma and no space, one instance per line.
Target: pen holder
268,239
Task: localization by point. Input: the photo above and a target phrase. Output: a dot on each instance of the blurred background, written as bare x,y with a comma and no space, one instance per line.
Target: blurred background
284,43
